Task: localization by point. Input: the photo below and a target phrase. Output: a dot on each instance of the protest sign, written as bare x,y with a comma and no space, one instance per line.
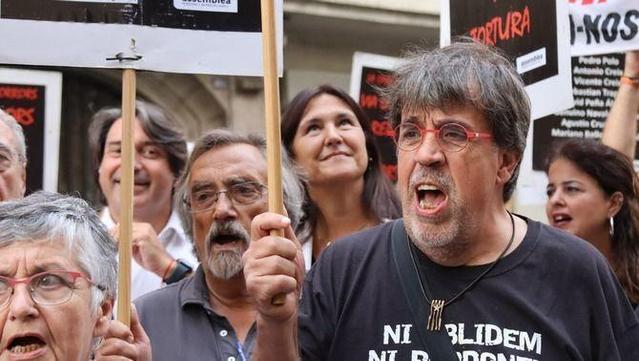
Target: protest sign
369,73
534,33
596,81
182,36
34,98
603,26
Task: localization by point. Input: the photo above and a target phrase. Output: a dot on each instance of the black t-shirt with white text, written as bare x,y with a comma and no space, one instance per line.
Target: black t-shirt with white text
552,298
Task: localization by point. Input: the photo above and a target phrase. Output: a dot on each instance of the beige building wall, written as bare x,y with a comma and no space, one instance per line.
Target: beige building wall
416,6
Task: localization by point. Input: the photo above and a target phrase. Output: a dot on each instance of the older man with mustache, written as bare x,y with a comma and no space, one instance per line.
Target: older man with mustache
161,250
210,315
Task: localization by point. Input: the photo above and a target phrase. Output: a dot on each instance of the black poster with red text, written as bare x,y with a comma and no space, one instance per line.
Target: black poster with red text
376,109
26,103
525,29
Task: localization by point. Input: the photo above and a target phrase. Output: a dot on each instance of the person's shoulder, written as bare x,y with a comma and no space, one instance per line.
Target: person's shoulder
361,242
351,253
161,299
557,245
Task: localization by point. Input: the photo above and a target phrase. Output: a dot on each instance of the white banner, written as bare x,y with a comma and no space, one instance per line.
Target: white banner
603,26
180,36
224,6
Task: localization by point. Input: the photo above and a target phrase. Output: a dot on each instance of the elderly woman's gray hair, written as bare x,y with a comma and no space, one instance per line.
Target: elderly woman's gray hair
68,220
291,184
21,145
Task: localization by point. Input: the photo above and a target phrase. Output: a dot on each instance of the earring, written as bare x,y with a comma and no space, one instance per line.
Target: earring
612,227
370,163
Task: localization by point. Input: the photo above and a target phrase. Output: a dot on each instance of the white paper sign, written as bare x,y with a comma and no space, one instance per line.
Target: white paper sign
603,26
223,6
227,41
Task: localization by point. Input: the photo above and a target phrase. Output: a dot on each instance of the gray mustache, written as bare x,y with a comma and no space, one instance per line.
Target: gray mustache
227,229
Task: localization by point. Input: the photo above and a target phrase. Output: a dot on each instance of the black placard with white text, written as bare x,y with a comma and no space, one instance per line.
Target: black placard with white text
595,85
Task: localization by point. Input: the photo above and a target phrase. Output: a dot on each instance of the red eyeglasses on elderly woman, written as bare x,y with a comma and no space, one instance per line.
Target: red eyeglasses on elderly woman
58,280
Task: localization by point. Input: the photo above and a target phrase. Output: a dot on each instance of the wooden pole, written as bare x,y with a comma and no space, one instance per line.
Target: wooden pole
126,197
272,116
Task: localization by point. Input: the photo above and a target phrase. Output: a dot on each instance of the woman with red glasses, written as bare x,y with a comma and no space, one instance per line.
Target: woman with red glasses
331,141
58,276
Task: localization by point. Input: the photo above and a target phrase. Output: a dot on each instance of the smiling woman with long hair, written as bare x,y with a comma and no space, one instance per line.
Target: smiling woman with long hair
332,143
593,193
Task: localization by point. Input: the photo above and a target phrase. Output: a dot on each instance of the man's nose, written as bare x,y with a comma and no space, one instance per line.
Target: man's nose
429,152
137,161
224,208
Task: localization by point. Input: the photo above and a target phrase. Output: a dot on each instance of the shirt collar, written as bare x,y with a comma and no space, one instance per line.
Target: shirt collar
172,227
195,290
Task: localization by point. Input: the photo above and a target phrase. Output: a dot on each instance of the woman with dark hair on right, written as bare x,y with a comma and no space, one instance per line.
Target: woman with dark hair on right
593,193
332,143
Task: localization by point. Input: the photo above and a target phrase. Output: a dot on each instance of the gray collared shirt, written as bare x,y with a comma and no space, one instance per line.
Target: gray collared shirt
182,325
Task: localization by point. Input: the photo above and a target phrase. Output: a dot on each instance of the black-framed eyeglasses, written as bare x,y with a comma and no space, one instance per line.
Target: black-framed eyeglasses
243,193
451,137
46,288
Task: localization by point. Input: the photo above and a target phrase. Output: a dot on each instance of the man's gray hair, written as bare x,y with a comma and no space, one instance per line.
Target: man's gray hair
66,220
21,145
291,184
466,73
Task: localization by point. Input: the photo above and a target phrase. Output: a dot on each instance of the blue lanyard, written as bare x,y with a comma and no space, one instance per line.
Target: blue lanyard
241,351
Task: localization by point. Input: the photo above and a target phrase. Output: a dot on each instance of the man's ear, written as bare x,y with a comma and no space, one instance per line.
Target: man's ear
508,161
104,318
615,202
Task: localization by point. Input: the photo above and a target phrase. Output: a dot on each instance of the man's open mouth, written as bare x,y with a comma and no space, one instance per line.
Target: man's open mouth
226,238
430,196
26,344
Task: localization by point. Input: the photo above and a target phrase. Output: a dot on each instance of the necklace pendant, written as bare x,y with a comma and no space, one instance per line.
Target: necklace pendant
435,315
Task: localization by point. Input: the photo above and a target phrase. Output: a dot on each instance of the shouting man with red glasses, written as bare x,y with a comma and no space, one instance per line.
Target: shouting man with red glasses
459,277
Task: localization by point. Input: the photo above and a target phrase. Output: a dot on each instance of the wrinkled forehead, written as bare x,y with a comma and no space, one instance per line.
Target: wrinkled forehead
8,139
229,164
418,115
31,256
444,97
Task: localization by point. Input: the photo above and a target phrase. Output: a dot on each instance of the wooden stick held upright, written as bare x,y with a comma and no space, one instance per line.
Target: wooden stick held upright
126,196
272,116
